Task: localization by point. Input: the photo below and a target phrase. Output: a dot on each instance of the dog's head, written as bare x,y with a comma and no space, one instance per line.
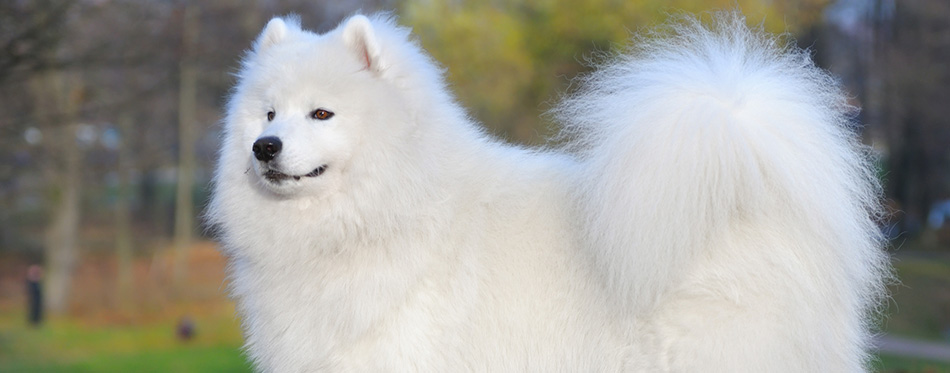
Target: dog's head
305,105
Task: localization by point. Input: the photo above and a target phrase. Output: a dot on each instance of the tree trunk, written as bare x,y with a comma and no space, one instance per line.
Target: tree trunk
55,93
61,236
187,96
123,213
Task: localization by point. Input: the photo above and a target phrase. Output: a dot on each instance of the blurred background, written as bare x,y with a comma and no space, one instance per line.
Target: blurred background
110,115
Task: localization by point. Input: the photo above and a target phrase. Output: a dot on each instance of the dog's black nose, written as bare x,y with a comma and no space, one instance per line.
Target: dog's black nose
266,148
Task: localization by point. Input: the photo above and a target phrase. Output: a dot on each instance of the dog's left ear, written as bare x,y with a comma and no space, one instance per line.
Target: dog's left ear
360,38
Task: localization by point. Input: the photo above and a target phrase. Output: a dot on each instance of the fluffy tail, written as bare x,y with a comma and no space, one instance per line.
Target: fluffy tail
702,133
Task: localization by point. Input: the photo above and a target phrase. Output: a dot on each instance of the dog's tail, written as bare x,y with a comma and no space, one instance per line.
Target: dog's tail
702,136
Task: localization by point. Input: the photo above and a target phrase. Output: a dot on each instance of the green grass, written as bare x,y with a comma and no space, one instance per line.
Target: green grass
918,308
920,304
65,345
890,363
180,359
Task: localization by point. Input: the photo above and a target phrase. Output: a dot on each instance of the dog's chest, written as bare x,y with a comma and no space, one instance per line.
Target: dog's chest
334,313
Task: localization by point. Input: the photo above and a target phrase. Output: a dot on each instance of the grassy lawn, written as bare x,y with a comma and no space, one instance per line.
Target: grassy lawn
899,364
920,303
919,308
97,335
67,345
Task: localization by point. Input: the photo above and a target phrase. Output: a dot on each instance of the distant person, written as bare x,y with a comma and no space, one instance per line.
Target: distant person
34,294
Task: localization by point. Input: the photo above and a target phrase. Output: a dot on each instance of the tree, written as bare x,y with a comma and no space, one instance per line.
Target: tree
891,54
507,59
123,210
64,92
912,49
187,102
31,33
31,48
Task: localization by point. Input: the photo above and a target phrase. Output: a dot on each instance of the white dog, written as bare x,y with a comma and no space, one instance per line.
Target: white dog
713,212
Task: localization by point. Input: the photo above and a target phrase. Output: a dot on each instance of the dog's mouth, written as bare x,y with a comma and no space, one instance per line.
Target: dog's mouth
277,176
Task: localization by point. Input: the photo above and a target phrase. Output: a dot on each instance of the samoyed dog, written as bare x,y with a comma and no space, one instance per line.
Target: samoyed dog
711,211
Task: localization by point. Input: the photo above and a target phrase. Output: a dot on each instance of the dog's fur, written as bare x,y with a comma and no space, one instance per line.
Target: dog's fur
712,211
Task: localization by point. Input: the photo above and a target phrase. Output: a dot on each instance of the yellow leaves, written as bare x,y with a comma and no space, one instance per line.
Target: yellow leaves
483,49
505,59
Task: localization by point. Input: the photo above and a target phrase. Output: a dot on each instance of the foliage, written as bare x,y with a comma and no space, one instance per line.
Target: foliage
506,58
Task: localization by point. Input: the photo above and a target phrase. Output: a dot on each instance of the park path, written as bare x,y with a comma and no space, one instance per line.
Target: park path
913,348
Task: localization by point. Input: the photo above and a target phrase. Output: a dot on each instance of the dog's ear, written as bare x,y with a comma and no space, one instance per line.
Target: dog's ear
275,31
360,38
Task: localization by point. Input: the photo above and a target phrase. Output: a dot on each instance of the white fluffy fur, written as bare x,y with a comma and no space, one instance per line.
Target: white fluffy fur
713,213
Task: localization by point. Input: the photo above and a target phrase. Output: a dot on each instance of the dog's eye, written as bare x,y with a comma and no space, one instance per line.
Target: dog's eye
270,115
321,114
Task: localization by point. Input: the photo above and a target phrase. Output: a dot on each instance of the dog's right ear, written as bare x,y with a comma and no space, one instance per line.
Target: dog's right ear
274,33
